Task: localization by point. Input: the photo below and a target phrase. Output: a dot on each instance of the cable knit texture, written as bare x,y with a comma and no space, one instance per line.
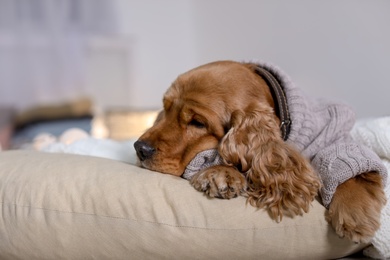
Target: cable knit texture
320,130
341,161
375,133
202,160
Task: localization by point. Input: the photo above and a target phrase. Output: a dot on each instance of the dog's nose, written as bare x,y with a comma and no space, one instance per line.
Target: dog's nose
144,150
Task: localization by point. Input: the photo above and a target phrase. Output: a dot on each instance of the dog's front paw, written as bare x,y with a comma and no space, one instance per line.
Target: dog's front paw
356,207
220,182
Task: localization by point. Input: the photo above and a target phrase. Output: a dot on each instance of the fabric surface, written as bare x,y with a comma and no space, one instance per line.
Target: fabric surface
64,206
202,160
320,130
375,133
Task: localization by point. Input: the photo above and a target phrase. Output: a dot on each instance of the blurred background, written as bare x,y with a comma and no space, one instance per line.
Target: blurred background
103,65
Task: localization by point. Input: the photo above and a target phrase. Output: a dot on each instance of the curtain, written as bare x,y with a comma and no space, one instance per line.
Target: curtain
42,48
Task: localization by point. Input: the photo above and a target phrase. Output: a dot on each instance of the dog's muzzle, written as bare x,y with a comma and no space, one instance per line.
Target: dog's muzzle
144,150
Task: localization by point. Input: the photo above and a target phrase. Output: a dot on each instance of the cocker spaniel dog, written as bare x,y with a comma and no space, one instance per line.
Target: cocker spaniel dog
273,145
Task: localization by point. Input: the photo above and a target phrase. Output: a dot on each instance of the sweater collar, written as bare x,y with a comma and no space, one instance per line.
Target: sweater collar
279,97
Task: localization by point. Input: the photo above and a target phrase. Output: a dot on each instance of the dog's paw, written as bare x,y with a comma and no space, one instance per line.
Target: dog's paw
356,207
219,182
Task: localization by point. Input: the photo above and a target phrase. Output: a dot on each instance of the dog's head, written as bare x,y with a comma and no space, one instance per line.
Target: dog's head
200,108
229,106
236,108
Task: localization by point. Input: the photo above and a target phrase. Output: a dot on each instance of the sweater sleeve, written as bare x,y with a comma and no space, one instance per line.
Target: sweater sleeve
202,160
344,160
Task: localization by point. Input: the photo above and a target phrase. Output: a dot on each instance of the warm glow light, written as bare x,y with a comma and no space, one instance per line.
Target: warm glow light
123,124
99,128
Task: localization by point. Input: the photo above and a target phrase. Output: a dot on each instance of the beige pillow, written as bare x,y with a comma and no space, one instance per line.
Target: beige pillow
61,206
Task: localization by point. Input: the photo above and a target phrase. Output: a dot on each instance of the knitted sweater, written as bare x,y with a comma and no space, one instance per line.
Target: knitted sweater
320,130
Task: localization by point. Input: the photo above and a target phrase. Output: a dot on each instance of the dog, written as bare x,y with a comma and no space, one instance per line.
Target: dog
279,148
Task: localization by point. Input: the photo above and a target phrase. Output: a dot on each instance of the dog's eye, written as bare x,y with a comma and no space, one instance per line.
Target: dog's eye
197,124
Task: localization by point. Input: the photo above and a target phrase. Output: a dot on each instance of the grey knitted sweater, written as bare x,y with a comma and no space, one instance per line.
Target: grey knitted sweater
320,130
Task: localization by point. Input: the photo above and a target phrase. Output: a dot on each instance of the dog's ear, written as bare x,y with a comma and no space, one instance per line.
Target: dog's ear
279,178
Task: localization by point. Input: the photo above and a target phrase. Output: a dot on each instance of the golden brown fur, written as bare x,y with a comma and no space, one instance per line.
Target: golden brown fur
225,105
